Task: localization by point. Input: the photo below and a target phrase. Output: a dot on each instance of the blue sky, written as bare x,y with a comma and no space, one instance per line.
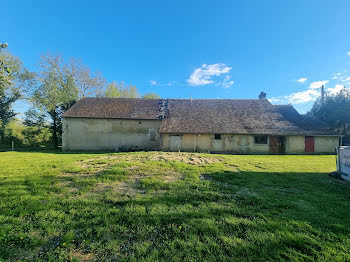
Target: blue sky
203,49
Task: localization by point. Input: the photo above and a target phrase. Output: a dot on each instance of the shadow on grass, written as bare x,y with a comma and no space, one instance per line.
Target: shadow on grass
249,216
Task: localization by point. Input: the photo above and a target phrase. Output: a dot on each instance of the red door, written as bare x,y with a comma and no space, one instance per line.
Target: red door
309,144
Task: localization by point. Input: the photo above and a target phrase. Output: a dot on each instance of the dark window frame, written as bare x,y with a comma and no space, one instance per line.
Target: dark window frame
260,139
217,136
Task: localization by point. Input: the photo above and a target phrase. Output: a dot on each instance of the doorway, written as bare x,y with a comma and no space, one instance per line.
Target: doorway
277,144
175,143
309,144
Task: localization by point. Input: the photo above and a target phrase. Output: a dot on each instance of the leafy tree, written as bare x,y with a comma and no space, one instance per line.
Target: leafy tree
57,86
115,90
36,129
151,95
14,131
334,110
12,76
53,91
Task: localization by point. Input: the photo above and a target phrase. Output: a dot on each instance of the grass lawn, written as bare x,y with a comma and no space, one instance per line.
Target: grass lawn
171,207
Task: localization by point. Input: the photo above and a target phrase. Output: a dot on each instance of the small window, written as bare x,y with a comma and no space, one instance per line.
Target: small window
261,140
217,136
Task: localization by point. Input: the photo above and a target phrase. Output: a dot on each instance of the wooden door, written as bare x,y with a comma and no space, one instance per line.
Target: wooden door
309,144
273,144
281,144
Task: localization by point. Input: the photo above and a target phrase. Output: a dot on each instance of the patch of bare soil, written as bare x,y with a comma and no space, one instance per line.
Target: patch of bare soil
69,186
82,256
129,188
188,158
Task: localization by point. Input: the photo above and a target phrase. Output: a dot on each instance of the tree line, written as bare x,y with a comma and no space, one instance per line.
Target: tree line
334,109
58,84
51,90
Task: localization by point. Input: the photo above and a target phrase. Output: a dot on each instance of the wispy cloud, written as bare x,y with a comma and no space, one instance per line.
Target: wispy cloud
204,74
311,94
227,82
318,84
303,97
335,90
349,53
153,82
346,79
302,79
336,76
297,98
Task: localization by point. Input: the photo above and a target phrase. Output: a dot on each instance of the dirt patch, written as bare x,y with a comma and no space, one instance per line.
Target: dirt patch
68,186
82,256
120,188
188,158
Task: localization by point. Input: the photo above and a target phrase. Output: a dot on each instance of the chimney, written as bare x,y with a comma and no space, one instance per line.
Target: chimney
262,95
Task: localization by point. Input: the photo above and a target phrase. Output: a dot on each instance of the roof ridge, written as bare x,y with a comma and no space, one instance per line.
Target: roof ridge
141,98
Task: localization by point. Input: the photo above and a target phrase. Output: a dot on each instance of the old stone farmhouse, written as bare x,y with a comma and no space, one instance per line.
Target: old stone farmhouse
195,125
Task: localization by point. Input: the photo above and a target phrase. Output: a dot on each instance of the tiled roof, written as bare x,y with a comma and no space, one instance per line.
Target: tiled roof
122,108
203,116
237,116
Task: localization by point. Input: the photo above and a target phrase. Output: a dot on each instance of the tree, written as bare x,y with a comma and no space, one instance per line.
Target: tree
87,83
334,110
151,95
36,129
14,131
58,85
115,90
54,90
11,76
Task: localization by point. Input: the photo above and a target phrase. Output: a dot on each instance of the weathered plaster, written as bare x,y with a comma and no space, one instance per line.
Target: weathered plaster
110,134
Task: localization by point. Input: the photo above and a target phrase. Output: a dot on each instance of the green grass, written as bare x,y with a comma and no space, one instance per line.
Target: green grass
171,207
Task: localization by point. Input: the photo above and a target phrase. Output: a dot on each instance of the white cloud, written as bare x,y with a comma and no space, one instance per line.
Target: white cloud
349,53
227,82
297,98
202,75
302,80
336,76
153,82
303,97
318,84
335,90
346,79
275,100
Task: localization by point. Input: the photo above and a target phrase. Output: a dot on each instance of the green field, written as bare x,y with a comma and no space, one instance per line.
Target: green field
171,207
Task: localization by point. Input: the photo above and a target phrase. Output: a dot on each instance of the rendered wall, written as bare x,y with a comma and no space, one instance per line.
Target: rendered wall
295,145
110,134
326,144
227,143
245,144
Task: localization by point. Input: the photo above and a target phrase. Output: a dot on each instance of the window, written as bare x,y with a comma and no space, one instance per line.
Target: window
261,140
217,136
